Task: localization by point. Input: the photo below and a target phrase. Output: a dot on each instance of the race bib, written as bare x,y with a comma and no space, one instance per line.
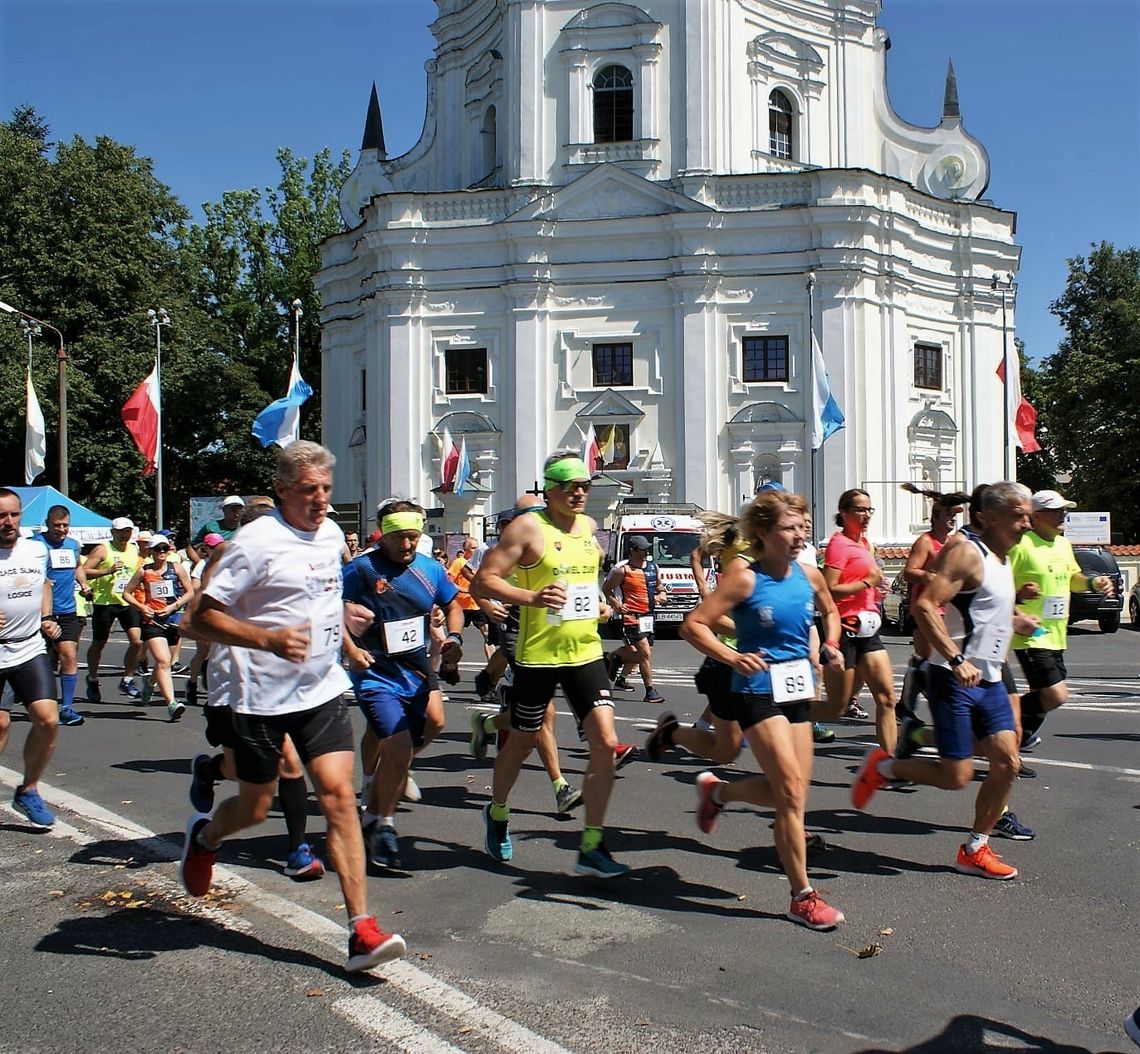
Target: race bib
645,623
991,644
791,681
1056,607
581,602
404,635
324,637
119,583
61,558
162,590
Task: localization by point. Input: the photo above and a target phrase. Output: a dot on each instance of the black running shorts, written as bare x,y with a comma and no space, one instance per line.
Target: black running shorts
323,730
104,616
1043,667
31,681
749,709
585,687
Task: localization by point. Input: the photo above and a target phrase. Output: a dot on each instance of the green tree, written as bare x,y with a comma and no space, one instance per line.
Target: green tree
1090,387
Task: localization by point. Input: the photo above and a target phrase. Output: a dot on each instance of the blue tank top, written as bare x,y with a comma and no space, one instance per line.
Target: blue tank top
775,620
61,572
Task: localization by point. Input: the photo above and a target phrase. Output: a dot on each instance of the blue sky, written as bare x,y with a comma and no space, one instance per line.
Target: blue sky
211,90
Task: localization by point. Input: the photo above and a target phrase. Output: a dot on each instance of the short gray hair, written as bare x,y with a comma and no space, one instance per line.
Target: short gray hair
300,455
1004,495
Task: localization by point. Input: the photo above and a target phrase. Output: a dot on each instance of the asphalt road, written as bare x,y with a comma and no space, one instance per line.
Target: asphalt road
691,953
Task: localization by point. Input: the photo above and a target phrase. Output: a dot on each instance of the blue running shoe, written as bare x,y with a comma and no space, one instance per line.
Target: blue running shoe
383,847
303,864
29,803
497,839
128,687
1009,826
600,864
70,717
201,784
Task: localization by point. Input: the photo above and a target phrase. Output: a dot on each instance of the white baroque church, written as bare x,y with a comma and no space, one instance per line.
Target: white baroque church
637,217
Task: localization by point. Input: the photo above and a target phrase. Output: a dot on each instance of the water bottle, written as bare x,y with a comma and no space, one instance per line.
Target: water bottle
561,573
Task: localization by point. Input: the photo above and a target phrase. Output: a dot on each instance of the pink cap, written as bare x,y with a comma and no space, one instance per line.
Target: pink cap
213,538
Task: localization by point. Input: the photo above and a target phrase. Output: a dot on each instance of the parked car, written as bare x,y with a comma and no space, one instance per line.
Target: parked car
895,607
1089,604
1134,605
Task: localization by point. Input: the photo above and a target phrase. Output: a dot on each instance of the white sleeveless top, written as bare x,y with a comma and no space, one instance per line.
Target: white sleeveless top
980,622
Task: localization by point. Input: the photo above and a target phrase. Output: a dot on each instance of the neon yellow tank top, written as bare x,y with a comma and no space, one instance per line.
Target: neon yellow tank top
568,638
108,589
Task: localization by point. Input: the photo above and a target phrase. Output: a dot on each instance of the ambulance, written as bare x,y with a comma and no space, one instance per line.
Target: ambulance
673,532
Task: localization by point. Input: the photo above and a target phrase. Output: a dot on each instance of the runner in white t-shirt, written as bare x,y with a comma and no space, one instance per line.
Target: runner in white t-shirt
274,605
25,618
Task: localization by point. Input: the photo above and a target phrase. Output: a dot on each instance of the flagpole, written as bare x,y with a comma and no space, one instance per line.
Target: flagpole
297,313
1005,381
809,415
158,319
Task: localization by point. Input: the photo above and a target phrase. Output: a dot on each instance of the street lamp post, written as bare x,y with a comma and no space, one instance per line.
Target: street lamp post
61,361
296,312
158,319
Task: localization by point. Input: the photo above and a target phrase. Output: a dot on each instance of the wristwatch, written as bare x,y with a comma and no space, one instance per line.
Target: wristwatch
957,661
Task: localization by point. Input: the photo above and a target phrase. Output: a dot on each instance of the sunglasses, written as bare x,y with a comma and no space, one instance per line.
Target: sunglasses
571,485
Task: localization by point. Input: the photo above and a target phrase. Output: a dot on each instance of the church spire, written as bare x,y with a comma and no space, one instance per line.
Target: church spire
950,99
374,126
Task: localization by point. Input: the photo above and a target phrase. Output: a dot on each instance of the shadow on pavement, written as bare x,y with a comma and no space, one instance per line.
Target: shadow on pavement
970,1034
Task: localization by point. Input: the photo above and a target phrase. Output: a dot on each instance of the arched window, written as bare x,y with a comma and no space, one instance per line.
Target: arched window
613,105
779,125
489,136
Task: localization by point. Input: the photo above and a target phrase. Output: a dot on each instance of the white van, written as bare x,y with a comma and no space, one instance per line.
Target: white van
674,532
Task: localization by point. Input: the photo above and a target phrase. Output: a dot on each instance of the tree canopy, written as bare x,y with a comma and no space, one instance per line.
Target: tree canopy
90,240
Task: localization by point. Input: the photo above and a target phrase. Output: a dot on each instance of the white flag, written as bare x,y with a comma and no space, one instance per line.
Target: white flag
35,444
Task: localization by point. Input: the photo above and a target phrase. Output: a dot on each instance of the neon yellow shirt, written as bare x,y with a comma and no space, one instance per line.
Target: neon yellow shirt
569,638
108,589
1049,566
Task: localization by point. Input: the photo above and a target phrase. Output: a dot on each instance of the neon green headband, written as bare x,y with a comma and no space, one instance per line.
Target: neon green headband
401,521
570,468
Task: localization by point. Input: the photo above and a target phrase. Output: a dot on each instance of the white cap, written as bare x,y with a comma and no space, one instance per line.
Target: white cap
233,499
122,523
1050,500
144,536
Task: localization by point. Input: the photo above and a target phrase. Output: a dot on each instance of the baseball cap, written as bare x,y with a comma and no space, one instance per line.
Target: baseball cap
637,542
144,536
770,485
160,542
166,532
374,537
1050,499
122,523
233,499
213,538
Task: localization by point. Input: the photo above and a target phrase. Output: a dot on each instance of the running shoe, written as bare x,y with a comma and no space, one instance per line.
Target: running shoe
701,725
911,733
303,865
70,717
175,710
600,864
179,668
1030,741
197,867
484,689
480,737
821,733
814,843
1009,826
613,666
201,784
412,790
93,693
661,739
622,685
985,863
497,838
652,695
1132,1026
383,847
127,686
143,667
567,798
868,779
1024,772
370,946
624,754
707,809
814,912
855,712
143,698
29,804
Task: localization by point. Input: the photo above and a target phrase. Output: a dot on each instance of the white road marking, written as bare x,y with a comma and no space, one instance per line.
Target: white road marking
412,981
390,1026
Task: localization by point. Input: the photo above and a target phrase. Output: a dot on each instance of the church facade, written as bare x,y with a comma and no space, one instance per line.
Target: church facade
640,220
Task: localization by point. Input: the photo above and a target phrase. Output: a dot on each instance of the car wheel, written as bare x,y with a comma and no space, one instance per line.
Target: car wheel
1109,623
1134,610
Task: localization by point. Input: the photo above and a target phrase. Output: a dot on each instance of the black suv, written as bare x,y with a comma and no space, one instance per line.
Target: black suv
1097,560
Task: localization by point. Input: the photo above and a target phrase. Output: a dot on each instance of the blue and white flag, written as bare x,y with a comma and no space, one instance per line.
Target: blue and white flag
280,421
826,417
463,472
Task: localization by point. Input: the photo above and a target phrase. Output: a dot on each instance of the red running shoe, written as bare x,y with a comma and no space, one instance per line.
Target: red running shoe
707,809
868,780
985,863
369,946
815,913
197,868
624,754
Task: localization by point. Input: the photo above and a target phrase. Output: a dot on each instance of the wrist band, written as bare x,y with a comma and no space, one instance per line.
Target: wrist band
457,637
1092,581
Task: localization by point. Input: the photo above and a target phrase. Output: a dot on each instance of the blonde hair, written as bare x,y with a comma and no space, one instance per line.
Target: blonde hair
764,512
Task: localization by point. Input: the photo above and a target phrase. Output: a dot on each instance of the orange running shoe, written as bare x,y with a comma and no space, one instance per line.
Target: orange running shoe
868,780
815,913
985,863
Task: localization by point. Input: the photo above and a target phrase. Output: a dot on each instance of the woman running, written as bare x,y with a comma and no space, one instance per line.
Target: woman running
771,600
853,579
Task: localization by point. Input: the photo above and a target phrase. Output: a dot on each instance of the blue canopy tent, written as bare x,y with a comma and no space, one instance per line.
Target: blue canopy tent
86,526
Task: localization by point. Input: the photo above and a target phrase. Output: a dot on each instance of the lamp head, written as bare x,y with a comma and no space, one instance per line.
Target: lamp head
8,308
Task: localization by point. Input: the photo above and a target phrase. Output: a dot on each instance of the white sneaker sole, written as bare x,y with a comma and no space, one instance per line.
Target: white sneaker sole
969,869
393,948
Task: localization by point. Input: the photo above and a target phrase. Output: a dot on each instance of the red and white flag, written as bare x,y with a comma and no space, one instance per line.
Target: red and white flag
591,452
140,415
448,461
1018,409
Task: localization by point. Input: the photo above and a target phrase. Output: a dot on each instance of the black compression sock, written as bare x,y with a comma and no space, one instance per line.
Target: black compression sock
293,796
216,763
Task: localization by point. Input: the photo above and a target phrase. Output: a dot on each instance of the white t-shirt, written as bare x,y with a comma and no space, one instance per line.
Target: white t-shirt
809,557
276,576
199,567
476,560
23,571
